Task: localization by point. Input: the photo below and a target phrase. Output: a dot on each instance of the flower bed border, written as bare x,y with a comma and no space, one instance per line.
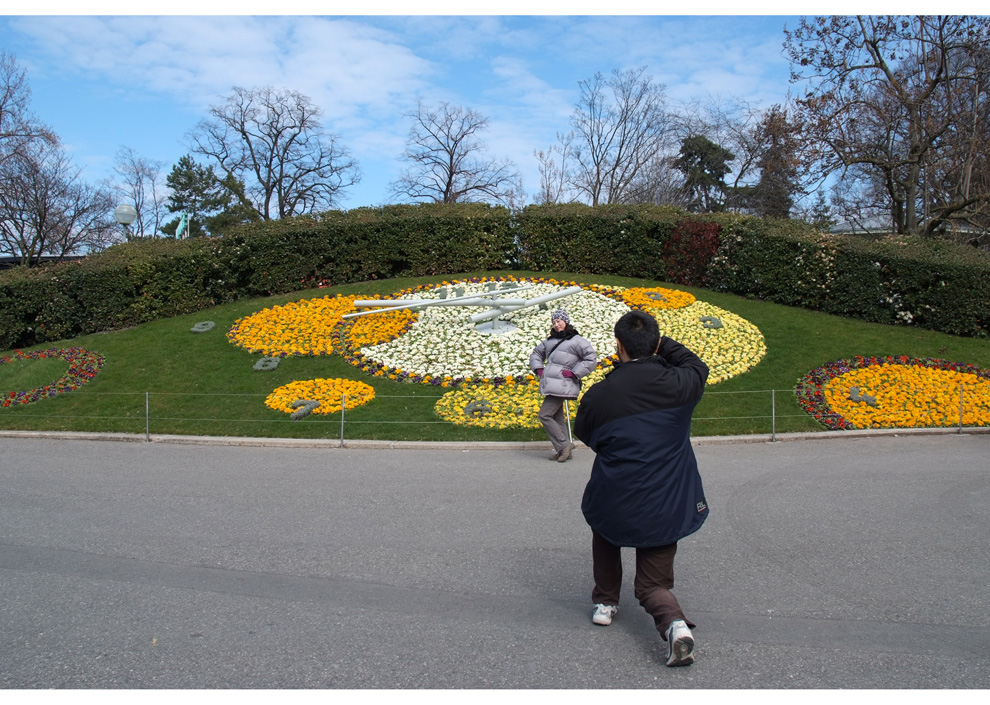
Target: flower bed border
83,366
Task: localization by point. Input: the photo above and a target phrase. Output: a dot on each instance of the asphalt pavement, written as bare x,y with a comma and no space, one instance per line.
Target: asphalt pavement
826,563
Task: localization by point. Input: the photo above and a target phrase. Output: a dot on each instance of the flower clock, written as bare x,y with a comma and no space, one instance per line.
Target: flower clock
896,392
436,342
83,366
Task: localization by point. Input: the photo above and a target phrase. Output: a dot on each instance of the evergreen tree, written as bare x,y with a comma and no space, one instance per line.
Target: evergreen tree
196,191
820,214
704,165
235,207
213,204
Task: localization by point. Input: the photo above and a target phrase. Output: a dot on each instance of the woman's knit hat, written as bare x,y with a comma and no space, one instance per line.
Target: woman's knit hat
560,315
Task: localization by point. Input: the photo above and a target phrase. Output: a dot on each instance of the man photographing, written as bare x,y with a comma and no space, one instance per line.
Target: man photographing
645,491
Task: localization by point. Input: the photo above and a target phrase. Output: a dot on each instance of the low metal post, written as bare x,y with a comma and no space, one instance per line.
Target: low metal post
147,419
773,415
343,404
960,408
567,415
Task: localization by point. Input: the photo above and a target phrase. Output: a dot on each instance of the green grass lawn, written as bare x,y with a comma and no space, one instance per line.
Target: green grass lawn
200,384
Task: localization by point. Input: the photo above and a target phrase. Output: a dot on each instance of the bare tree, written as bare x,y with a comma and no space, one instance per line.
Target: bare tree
861,200
143,187
272,140
956,173
447,161
18,127
730,122
660,183
553,166
46,209
879,103
620,125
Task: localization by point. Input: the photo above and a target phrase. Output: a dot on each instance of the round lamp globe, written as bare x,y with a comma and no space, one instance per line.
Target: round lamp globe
125,214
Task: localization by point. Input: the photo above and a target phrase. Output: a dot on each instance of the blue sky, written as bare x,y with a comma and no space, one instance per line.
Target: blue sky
106,81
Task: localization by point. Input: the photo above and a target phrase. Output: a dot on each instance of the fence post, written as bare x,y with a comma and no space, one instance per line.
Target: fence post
773,415
567,414
960,408
147,419
343,404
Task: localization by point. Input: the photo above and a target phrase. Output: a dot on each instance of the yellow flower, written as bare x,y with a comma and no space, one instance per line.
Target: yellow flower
365,331
307,327
330,393
729,344
296,328
656,298
509,405
908,396
488,406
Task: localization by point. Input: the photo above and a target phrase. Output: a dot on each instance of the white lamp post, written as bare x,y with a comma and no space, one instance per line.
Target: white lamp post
125,215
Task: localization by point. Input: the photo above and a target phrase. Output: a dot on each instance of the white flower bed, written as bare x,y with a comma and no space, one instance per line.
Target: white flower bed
444,343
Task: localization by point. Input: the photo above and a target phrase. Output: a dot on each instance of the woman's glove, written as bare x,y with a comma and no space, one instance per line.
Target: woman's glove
568,373
539,371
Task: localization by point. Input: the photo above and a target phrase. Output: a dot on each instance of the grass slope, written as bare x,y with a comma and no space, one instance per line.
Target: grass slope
199,384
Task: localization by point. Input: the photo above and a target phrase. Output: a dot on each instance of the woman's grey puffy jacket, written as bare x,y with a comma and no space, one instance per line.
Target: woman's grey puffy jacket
555,355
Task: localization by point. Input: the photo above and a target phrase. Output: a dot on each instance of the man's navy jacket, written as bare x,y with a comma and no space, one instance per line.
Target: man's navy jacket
645,489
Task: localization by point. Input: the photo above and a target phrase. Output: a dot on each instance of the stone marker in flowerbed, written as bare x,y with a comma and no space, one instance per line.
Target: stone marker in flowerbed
896,392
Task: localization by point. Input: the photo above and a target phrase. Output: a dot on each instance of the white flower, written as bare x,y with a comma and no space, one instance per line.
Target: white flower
445,343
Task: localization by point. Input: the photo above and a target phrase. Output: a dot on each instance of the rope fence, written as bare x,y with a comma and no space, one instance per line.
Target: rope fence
148,412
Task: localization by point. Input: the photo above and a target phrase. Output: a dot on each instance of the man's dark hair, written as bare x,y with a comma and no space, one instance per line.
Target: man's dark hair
639,334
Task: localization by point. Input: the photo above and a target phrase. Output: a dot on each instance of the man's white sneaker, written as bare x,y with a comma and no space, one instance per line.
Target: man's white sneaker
603,614
680,644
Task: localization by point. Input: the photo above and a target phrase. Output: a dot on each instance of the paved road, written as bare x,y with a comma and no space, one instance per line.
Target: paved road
859,563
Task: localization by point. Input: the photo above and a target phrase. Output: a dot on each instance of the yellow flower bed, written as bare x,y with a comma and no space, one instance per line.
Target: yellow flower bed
307,327
902,396
729,344
656,298
509,405
378,328
296,328
328,392
512,405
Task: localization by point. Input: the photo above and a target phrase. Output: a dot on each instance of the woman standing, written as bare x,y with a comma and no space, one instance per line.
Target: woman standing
560,361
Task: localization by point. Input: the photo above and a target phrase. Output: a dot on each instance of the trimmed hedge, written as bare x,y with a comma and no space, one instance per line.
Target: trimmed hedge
931,283
573,237
142,281
934,284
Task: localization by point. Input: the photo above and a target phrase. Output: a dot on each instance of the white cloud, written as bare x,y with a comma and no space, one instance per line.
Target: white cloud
366,72
340,64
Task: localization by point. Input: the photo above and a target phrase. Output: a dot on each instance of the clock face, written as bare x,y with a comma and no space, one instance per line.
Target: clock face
444,343
476,337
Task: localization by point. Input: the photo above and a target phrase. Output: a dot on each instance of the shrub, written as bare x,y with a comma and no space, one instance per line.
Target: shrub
145,280
626,240
910,281
900,280
689,251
